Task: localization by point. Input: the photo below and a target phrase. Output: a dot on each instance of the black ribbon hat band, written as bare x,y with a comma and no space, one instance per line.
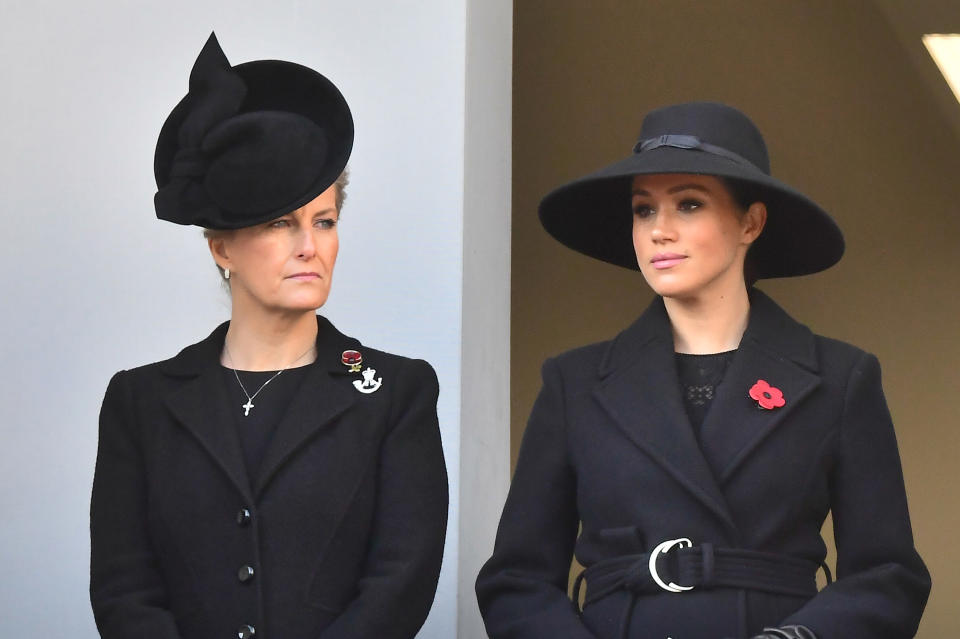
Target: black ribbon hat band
249,143
693,143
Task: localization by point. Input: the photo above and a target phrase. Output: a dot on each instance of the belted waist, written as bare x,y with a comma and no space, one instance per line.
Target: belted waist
677,566
700,567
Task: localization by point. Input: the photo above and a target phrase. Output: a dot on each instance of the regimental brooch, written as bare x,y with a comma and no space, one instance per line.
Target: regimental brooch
369,382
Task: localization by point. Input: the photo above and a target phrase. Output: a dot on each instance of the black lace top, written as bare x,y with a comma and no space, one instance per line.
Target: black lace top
699,377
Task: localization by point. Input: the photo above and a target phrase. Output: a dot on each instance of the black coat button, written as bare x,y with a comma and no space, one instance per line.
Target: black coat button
246,632
243,517
245,573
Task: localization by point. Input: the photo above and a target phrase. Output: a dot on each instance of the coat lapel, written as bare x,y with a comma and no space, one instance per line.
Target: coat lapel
776,349
318,402
639,388
199,405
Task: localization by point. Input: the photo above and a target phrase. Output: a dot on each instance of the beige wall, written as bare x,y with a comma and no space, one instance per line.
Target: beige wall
851,117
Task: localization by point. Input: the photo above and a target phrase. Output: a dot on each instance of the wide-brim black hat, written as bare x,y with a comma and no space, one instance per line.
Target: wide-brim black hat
249,143
593,214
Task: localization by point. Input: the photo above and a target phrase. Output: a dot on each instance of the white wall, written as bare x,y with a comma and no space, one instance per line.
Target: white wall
485,395
93,283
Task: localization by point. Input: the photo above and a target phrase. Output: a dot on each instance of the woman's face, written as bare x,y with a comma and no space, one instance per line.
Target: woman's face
284,265
690,236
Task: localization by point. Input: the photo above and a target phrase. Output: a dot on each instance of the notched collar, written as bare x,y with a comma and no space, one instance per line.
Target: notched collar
777,349
652,325
198,403
638,386
769,327
772,329
196,358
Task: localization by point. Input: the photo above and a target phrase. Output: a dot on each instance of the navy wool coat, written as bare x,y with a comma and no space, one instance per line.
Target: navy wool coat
609,447
343,529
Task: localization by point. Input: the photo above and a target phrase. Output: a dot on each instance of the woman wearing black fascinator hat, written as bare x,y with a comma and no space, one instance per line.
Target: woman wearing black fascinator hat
278,478
700,450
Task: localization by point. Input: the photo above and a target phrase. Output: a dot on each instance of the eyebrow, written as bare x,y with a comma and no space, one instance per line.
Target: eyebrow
676,189
323,212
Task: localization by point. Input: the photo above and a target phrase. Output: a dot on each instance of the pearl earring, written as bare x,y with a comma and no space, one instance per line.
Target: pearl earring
226,274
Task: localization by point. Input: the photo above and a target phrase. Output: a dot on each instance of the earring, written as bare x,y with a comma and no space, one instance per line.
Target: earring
226,274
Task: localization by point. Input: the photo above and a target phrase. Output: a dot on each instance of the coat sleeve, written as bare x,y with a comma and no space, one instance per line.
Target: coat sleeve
399,580
522,588
882,584
126,590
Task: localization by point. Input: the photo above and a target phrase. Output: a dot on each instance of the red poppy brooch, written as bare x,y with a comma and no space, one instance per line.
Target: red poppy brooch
352,360
767,396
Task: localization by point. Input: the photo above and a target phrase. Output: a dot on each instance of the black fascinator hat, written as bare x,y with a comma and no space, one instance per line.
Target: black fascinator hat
249,143
592,215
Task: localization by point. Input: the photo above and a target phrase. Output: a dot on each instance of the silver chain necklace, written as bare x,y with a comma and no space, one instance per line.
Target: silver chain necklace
246,407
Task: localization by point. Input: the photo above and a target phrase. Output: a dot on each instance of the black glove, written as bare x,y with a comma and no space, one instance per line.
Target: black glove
786,632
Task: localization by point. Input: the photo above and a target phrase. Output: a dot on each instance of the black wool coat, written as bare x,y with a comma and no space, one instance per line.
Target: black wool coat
609,446
343,528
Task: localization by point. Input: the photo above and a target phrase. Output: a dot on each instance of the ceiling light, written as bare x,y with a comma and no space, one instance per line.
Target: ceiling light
945,50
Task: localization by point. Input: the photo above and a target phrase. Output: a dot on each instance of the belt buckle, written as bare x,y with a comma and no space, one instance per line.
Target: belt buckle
663,548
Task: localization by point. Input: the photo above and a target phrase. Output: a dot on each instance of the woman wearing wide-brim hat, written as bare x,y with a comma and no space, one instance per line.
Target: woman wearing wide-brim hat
700,450
278,478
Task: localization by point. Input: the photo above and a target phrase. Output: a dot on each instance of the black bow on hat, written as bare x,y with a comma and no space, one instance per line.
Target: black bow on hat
592,215
249,143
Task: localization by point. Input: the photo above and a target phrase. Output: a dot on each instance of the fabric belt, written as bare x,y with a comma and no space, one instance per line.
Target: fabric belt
696,568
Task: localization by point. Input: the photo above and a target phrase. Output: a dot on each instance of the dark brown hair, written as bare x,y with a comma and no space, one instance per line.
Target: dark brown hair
744,194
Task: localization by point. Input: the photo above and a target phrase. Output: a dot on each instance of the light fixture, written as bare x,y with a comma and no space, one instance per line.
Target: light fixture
945,50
